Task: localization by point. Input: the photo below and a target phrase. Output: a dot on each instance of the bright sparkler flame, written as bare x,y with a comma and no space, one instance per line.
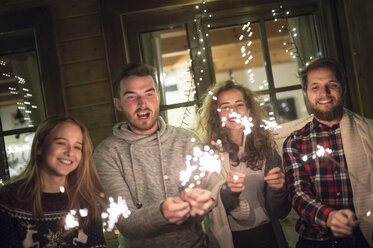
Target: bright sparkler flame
71,221
203,161
112,214
320,152
270,125
115,210
247,122
325,152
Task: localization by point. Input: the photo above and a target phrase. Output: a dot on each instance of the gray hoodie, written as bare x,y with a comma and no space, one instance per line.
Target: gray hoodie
144,170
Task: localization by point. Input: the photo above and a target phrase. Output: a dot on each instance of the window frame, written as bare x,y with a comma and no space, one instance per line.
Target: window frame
132,23
38,20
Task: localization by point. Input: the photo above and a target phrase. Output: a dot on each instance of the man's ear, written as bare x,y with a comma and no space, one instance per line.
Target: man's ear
117,104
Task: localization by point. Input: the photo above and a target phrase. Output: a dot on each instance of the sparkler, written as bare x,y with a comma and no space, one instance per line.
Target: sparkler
114,211
325,152
270,125
112,215
198,164
247,122
71,221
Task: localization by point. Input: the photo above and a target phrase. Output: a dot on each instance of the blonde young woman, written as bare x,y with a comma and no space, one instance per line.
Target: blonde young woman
59,177
250,191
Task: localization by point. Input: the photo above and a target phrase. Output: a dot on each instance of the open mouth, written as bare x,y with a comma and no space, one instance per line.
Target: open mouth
143,115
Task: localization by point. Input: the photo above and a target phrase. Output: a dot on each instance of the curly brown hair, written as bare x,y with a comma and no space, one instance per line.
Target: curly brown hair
259,143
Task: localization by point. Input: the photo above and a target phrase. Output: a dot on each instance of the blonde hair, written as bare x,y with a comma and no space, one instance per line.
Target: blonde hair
259,143
83,187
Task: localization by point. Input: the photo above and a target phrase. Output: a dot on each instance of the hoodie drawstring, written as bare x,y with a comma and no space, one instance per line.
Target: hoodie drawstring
162,170
138,203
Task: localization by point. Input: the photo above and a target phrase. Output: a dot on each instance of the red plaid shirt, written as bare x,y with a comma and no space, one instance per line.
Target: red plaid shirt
316,186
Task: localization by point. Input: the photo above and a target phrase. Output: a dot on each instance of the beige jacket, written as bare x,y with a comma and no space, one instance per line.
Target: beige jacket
357,140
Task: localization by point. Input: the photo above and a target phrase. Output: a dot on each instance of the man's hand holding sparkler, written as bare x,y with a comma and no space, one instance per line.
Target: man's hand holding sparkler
175,210
275,178
199,200
235,181
341,222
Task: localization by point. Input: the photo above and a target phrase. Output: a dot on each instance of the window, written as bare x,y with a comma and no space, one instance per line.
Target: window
29,83
262,46
21,106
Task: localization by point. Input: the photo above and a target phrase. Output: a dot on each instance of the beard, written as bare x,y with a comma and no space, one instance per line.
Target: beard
142,126
335,113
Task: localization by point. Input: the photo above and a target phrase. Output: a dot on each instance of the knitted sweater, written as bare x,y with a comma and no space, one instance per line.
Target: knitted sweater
19,229
144,170
277,206
357,140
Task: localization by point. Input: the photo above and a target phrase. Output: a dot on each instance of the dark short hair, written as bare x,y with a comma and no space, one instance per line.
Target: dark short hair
133,69
332,64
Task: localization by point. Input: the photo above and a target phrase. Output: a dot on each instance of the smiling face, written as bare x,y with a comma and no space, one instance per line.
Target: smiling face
139,103
229,102
61,151
324,94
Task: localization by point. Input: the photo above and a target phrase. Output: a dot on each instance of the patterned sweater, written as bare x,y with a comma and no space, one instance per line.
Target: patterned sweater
19,229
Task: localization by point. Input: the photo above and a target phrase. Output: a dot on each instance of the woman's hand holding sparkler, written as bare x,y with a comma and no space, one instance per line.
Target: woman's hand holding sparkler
275,178
200,200
235,181
175,210
341,222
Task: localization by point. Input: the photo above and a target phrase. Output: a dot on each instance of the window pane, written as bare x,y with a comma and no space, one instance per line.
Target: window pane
291,105
18,149
237,55
265,102
181,117
21,100
291,43
168,51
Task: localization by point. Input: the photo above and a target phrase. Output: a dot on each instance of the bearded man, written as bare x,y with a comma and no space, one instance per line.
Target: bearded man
141,163
330,193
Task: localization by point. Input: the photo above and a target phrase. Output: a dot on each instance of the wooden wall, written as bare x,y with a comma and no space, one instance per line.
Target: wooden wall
356,24
82,59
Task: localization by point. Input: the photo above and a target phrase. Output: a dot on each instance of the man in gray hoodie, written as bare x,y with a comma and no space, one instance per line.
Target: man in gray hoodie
141,163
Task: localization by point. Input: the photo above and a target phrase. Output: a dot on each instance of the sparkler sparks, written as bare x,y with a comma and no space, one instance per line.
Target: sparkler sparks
112,215
114,211
247,122
325,152
71,221
199,164
270,125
